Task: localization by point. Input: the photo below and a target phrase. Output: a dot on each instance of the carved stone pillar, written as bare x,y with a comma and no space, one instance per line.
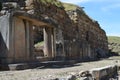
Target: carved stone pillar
47,42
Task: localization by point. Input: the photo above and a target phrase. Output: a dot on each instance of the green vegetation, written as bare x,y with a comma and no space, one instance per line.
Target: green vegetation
114,39
114,44
39,44
54,2
69,6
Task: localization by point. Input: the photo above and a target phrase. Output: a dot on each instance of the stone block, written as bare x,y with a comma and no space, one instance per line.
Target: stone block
104,73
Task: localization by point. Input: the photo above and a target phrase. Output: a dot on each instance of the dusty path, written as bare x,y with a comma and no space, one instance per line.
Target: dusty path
56,71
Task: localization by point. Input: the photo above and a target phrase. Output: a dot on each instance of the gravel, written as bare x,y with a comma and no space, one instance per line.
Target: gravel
49,73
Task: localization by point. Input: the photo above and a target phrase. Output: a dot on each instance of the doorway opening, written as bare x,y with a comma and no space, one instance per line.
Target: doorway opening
38,41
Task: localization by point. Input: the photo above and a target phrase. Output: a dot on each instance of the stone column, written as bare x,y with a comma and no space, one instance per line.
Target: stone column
89,51
19,40
27,40
53,42
47,42
31,40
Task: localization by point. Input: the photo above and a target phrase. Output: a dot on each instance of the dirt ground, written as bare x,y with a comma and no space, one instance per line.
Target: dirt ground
46,73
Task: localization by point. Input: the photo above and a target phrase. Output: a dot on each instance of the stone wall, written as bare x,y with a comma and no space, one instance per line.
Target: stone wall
4,37
12,40
77,36
89,32
58,17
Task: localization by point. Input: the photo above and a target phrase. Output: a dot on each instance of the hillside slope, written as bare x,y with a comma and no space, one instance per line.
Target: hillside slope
114,44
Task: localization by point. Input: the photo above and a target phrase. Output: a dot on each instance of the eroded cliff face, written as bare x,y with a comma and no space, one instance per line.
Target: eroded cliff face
77,35
89,31
63,25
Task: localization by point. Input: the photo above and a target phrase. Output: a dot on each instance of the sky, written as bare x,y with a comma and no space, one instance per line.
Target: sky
106,12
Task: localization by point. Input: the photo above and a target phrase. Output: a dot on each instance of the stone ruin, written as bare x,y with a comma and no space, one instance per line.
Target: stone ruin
35,30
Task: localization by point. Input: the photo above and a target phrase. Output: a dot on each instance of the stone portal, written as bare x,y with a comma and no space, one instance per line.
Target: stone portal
19,41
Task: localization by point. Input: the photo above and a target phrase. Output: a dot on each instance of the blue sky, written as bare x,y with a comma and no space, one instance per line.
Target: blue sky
106,12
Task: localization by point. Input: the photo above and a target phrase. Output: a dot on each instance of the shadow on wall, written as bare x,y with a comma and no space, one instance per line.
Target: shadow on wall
101,53
0,6
3,50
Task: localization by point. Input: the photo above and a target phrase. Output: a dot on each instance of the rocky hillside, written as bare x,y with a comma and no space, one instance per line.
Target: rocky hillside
69,6
77,36
114,44
75,30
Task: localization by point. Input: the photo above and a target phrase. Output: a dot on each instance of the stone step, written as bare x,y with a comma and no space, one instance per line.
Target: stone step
22,66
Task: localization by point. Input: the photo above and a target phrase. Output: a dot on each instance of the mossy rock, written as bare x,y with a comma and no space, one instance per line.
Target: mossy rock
54,2
69,6
72,7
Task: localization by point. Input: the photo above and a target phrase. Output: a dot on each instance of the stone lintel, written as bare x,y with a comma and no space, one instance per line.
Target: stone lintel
34,19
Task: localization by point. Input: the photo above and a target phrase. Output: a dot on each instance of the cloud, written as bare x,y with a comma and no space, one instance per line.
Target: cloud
114,34
75,1
86,1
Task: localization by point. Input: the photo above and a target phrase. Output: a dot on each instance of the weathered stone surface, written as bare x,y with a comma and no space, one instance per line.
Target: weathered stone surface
90,33
84,74
73,34
85,78
71,77
4,38
21,3
104,73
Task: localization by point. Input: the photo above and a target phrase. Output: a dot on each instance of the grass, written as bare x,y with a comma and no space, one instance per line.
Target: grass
69,6
114,39
39,44
54,2
114,44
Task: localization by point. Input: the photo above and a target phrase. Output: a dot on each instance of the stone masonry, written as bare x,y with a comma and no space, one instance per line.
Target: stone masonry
68,34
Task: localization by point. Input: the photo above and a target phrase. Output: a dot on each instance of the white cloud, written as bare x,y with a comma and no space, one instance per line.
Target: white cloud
75,1
114,34
86,1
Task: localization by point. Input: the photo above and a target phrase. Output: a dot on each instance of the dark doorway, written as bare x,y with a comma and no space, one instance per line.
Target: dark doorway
38,40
